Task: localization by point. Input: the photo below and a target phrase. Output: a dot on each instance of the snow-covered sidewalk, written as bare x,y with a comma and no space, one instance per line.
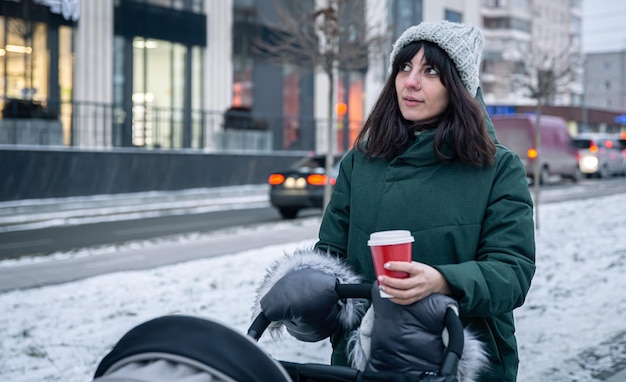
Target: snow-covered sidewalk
570,329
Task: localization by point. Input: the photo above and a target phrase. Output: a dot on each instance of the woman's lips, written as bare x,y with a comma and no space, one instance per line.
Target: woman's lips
411,101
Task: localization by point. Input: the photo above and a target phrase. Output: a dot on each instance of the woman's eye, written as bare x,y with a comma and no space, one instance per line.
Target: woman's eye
405,68
432,72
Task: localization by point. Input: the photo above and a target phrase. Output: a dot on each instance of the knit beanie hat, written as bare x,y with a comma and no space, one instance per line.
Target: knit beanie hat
462,42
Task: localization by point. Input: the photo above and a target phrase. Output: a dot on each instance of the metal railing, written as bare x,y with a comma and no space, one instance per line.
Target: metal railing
91,125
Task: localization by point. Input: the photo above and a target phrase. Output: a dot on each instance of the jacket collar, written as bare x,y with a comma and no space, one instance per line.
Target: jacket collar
422,151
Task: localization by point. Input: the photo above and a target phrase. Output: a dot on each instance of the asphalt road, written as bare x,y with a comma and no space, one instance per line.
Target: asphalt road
152,255
174,220
69,237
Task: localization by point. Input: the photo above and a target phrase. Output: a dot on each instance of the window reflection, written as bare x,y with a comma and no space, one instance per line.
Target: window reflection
26,50
158,92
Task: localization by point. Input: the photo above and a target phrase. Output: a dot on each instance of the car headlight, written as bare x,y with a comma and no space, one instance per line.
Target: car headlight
589,162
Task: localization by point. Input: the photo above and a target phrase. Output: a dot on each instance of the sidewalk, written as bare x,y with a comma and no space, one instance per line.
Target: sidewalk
150,255
37,213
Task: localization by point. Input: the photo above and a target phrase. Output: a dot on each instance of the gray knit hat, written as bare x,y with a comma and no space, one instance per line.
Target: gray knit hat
462,42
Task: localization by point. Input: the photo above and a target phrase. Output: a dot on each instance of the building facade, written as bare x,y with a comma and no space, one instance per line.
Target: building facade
605,81
184,75
525,37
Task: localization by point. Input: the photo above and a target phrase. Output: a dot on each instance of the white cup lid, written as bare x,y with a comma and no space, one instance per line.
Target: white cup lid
390,237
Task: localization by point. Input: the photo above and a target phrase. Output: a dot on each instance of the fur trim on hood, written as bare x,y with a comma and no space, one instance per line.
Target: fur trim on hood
351,309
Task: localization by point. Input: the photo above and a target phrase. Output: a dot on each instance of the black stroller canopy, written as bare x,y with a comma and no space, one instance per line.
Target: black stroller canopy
198,340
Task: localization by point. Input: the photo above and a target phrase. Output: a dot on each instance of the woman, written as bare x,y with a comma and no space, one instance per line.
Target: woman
427,161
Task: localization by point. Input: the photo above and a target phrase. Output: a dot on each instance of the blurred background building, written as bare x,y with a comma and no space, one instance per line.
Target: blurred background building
174,74
183,75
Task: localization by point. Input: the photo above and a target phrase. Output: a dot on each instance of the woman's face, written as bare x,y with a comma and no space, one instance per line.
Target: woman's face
421,95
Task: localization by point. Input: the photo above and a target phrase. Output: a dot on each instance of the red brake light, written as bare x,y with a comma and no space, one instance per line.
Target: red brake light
276,179
317,179
532,153
333,180
608,144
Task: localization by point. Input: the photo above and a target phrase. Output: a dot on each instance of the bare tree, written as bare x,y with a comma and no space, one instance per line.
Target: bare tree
545,74
333,37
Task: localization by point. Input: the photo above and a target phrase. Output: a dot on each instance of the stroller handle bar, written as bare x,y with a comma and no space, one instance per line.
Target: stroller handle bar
261,322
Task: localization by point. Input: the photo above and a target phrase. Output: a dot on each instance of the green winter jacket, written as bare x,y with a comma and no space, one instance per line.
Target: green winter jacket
475,225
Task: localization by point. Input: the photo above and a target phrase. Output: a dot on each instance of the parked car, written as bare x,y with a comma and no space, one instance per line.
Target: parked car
557,155
301,186
600,155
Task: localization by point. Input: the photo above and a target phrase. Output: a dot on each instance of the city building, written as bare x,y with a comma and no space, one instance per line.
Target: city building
525,38
184,74
605,80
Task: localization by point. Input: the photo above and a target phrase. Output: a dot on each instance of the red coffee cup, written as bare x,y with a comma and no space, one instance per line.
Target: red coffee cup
395,245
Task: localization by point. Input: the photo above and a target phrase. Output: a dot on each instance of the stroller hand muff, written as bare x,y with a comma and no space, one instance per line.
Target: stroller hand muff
298,293
306,302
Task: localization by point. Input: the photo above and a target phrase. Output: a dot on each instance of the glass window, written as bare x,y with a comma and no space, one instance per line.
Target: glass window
159,92
24,60
196,98
24,64
406,13
453,16
507,23
353,113
66,81
25,54
291,105
119,44
195,6
242,87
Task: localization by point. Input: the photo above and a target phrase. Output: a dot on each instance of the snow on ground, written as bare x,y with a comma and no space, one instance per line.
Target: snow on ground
571,327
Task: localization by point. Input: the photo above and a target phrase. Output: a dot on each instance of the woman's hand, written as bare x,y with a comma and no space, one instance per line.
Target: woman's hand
423,280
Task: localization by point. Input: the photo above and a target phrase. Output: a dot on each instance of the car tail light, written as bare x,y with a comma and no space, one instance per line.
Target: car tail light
333,180
532,153
593,148
276,179
317,179
608,144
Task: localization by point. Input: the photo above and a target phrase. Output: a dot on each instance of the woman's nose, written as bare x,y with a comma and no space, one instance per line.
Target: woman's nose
413,79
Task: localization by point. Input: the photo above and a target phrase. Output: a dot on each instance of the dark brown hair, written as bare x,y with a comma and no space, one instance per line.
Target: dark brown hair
461,125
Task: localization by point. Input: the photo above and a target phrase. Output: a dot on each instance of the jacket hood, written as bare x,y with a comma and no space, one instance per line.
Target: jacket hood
488,123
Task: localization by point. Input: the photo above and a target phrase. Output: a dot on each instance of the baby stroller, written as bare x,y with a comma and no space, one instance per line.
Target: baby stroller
190,349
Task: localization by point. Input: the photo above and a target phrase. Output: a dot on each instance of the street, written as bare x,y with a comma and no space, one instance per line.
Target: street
38,228
152,254
42,229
